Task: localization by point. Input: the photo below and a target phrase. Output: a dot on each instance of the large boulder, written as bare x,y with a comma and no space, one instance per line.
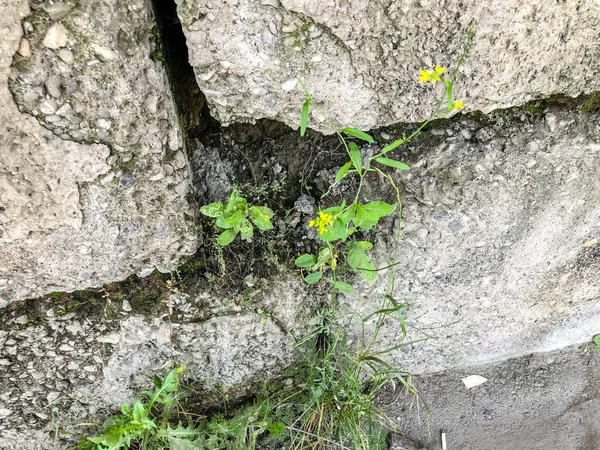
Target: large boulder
93,176
500,248
361,59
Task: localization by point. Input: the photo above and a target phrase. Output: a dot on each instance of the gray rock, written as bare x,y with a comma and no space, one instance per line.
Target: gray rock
508,257
51,192
353,56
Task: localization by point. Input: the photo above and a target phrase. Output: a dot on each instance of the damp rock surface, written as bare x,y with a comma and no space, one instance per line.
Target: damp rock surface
361,60
93,181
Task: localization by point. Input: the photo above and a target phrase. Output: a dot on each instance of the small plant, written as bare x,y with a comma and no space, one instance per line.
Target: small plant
238,216
146,424
596,340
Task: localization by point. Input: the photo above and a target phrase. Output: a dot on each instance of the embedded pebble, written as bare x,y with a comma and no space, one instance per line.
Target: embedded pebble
56,37
385,135
48,107
273,3
52,85
67,56
289,85
422,232
24,48
56,10
127,306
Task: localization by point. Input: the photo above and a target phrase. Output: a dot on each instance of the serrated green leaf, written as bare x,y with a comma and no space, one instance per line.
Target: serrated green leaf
367,216
392,146
358,259
313,277
213,209
261,217
306,260
226,237
343,171
393,163
139,412
304,118
358,134
342,287
355,157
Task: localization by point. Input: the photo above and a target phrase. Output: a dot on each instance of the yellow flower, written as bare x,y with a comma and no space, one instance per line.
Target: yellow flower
433,76
322,222
458,105
425,76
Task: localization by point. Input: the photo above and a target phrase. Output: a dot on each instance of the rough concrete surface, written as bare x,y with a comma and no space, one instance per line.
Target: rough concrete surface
361,59
535,402
93,179
60,369
500,252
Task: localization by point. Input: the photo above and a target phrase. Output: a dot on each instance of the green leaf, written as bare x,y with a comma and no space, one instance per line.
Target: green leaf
313,277
261,217
336,231
348,216
213,209
597,340
358,134
342,287
343,171
306,260
335,210
393,163
304,118
358,259
139,412
226,237
356,157
246,229
392,146
367,216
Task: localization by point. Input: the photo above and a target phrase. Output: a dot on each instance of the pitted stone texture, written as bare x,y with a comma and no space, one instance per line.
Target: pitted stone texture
499,252
93,179
361,59
63,370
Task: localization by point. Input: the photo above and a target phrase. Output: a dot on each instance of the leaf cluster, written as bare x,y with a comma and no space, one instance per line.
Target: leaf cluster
238,216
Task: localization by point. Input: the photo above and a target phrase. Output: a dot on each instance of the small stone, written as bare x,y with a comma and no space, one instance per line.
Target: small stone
67,56
529,164
591,243
56,10
109,339
48,107
385,135
104,124
52,85
64,110
21,320
127,306
289,85
105,54
90,368
66,348
422,232
259,91
197,37
5,413
53,118
273,3
56,37
50,312
24,48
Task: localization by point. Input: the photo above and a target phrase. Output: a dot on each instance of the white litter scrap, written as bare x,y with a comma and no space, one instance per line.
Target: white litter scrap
473,380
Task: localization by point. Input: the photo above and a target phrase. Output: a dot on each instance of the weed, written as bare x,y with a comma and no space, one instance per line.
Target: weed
237,217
